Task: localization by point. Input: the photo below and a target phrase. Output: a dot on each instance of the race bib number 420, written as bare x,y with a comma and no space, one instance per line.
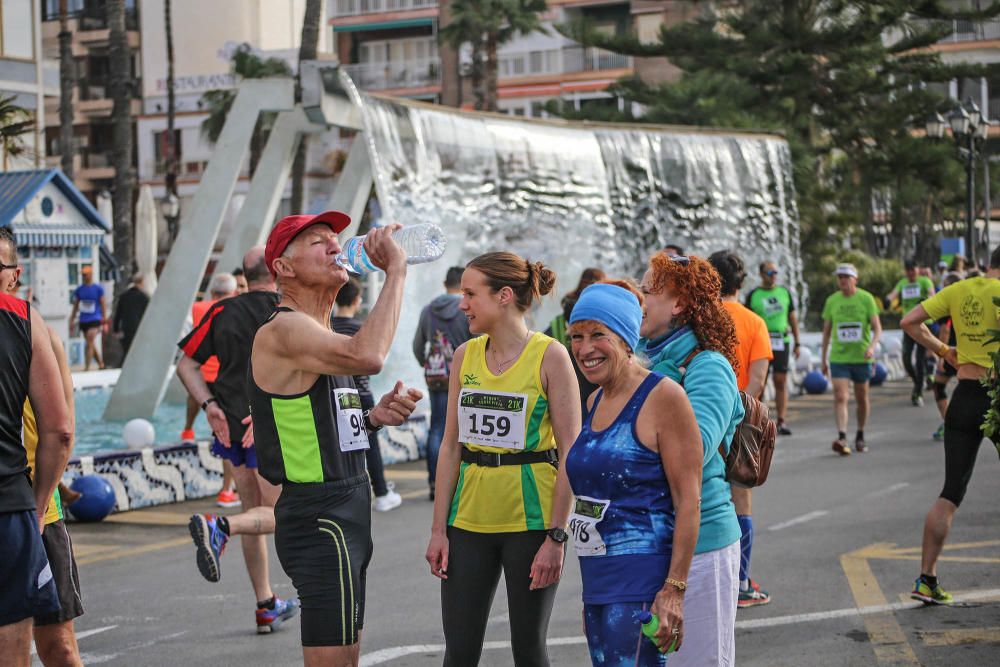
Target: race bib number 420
350,420
492,418
849,332
911,292
587,514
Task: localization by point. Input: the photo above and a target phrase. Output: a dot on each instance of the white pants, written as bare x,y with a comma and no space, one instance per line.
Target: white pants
710,610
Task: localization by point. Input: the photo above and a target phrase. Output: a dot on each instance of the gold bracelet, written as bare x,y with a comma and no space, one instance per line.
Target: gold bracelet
943,350
679,585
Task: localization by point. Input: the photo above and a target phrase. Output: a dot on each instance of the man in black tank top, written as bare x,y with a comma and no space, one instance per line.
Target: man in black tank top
309,426
226,332
28,369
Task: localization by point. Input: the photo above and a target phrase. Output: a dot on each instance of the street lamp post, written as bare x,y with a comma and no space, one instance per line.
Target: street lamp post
969,130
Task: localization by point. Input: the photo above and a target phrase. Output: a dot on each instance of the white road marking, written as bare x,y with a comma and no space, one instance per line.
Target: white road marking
83,635
799,519
385,655
888,490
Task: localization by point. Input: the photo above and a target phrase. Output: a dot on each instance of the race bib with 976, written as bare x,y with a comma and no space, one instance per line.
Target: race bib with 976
777,342
911,292
849,332
350,420
492,418
587,513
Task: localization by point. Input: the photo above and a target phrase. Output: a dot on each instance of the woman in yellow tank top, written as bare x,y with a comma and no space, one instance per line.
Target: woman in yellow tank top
502,501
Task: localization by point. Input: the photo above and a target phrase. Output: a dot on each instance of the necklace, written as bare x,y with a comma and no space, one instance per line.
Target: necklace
501,364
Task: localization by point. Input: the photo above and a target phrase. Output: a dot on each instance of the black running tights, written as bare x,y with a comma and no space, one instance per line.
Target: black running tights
962,437
915,371
475,561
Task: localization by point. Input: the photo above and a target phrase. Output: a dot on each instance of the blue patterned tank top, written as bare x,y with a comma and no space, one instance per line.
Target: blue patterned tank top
623,516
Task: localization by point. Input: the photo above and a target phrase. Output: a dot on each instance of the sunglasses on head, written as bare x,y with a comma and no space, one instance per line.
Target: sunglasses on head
4,267
680,259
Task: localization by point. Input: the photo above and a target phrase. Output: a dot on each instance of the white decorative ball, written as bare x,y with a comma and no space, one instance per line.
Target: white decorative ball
138,433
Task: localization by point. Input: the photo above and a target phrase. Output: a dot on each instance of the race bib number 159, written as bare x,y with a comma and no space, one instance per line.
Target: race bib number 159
492,418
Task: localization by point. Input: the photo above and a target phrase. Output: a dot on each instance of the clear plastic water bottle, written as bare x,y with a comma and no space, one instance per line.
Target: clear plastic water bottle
421,243
650,624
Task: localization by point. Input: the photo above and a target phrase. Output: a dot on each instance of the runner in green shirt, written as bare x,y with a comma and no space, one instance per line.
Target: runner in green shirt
850,319
910,291
773,302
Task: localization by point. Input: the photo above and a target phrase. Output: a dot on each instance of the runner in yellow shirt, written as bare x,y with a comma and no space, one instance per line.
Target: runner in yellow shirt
970,304
502,501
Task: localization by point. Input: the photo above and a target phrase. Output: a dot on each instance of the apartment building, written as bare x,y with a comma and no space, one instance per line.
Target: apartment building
92,104
391,47
26,76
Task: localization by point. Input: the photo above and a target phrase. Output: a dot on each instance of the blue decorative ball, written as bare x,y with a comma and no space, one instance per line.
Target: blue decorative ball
815,382
97,501
880,374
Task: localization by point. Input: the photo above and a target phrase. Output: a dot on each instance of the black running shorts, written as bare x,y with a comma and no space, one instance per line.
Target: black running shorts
59,549
324,541
27,587
780,362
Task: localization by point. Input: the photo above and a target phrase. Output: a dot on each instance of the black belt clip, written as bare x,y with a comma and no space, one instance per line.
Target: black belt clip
496,459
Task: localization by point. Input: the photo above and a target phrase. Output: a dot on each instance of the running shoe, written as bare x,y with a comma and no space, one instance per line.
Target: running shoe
840,446
783,429
269,620
187,435
939,433
917,399
753,596
390,501
228,499
860,446
928,595
210,542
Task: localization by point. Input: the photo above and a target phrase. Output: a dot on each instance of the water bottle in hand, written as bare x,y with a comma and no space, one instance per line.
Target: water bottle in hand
650,624
421,243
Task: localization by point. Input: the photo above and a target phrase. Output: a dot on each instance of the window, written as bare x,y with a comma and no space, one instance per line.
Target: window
17,37
160,146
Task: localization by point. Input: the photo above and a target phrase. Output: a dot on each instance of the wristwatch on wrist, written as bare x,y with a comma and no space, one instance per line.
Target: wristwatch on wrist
205,403
558,535
369,426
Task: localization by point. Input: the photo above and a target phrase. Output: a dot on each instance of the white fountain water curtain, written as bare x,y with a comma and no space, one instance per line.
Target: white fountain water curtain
573,195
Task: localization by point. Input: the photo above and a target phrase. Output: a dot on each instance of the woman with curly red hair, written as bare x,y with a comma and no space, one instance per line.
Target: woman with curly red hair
688,336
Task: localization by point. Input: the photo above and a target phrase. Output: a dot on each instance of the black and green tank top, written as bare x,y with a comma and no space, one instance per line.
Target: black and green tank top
315,436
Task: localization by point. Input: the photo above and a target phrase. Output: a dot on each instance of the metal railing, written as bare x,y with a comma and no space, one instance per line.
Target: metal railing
973,31
560,61
382,76
357,7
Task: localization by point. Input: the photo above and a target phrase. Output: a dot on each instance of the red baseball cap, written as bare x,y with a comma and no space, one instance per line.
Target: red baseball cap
289,227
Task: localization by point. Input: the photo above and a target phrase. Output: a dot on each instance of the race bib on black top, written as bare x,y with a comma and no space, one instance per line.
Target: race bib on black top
350,420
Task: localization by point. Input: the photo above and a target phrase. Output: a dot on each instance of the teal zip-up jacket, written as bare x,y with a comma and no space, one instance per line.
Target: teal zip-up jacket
710,384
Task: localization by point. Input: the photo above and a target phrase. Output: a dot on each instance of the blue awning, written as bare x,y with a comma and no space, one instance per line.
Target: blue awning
57,236
384,25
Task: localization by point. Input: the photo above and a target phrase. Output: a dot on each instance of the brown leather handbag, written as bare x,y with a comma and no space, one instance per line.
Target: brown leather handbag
749,457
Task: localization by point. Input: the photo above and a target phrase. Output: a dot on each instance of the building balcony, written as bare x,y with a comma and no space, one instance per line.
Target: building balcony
973,31
388,76
341,8
567,60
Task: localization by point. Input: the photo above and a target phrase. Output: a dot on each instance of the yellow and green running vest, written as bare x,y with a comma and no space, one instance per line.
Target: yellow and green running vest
29,435
506,414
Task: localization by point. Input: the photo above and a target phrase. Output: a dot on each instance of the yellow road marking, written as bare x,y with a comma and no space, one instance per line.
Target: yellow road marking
958,637
886,635
116,553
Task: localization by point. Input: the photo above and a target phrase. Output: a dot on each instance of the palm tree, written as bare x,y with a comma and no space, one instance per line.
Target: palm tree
486,25
244,64
308,48
120,81
15,122
67,82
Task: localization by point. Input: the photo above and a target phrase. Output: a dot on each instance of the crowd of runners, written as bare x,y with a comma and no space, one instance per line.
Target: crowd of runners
609,432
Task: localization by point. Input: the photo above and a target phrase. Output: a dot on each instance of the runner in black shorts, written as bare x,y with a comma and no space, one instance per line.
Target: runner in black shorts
28,369
970,305
309,427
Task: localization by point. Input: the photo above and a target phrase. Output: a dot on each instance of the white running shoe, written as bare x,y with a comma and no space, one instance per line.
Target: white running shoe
389,501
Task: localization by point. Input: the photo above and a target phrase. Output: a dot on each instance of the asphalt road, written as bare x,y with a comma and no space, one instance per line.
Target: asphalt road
837,546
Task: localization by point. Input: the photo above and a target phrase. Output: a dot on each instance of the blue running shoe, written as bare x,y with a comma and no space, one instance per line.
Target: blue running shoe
269,620
939,433
210,542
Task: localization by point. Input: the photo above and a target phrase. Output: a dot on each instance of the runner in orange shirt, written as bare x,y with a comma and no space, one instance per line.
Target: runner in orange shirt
223,285
753,352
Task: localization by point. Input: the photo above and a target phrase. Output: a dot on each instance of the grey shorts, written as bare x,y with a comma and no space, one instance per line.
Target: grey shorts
59,549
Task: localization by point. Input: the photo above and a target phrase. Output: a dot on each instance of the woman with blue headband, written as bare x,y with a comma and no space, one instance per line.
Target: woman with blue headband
635,470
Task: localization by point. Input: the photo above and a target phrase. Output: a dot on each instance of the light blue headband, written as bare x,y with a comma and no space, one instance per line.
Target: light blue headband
614,307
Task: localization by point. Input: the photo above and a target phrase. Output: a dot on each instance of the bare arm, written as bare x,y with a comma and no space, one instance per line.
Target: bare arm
913,325
679,442
793,321
55,434
563,391
825,346
876,335
449,461
758,376
189,371
73,313
104,310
